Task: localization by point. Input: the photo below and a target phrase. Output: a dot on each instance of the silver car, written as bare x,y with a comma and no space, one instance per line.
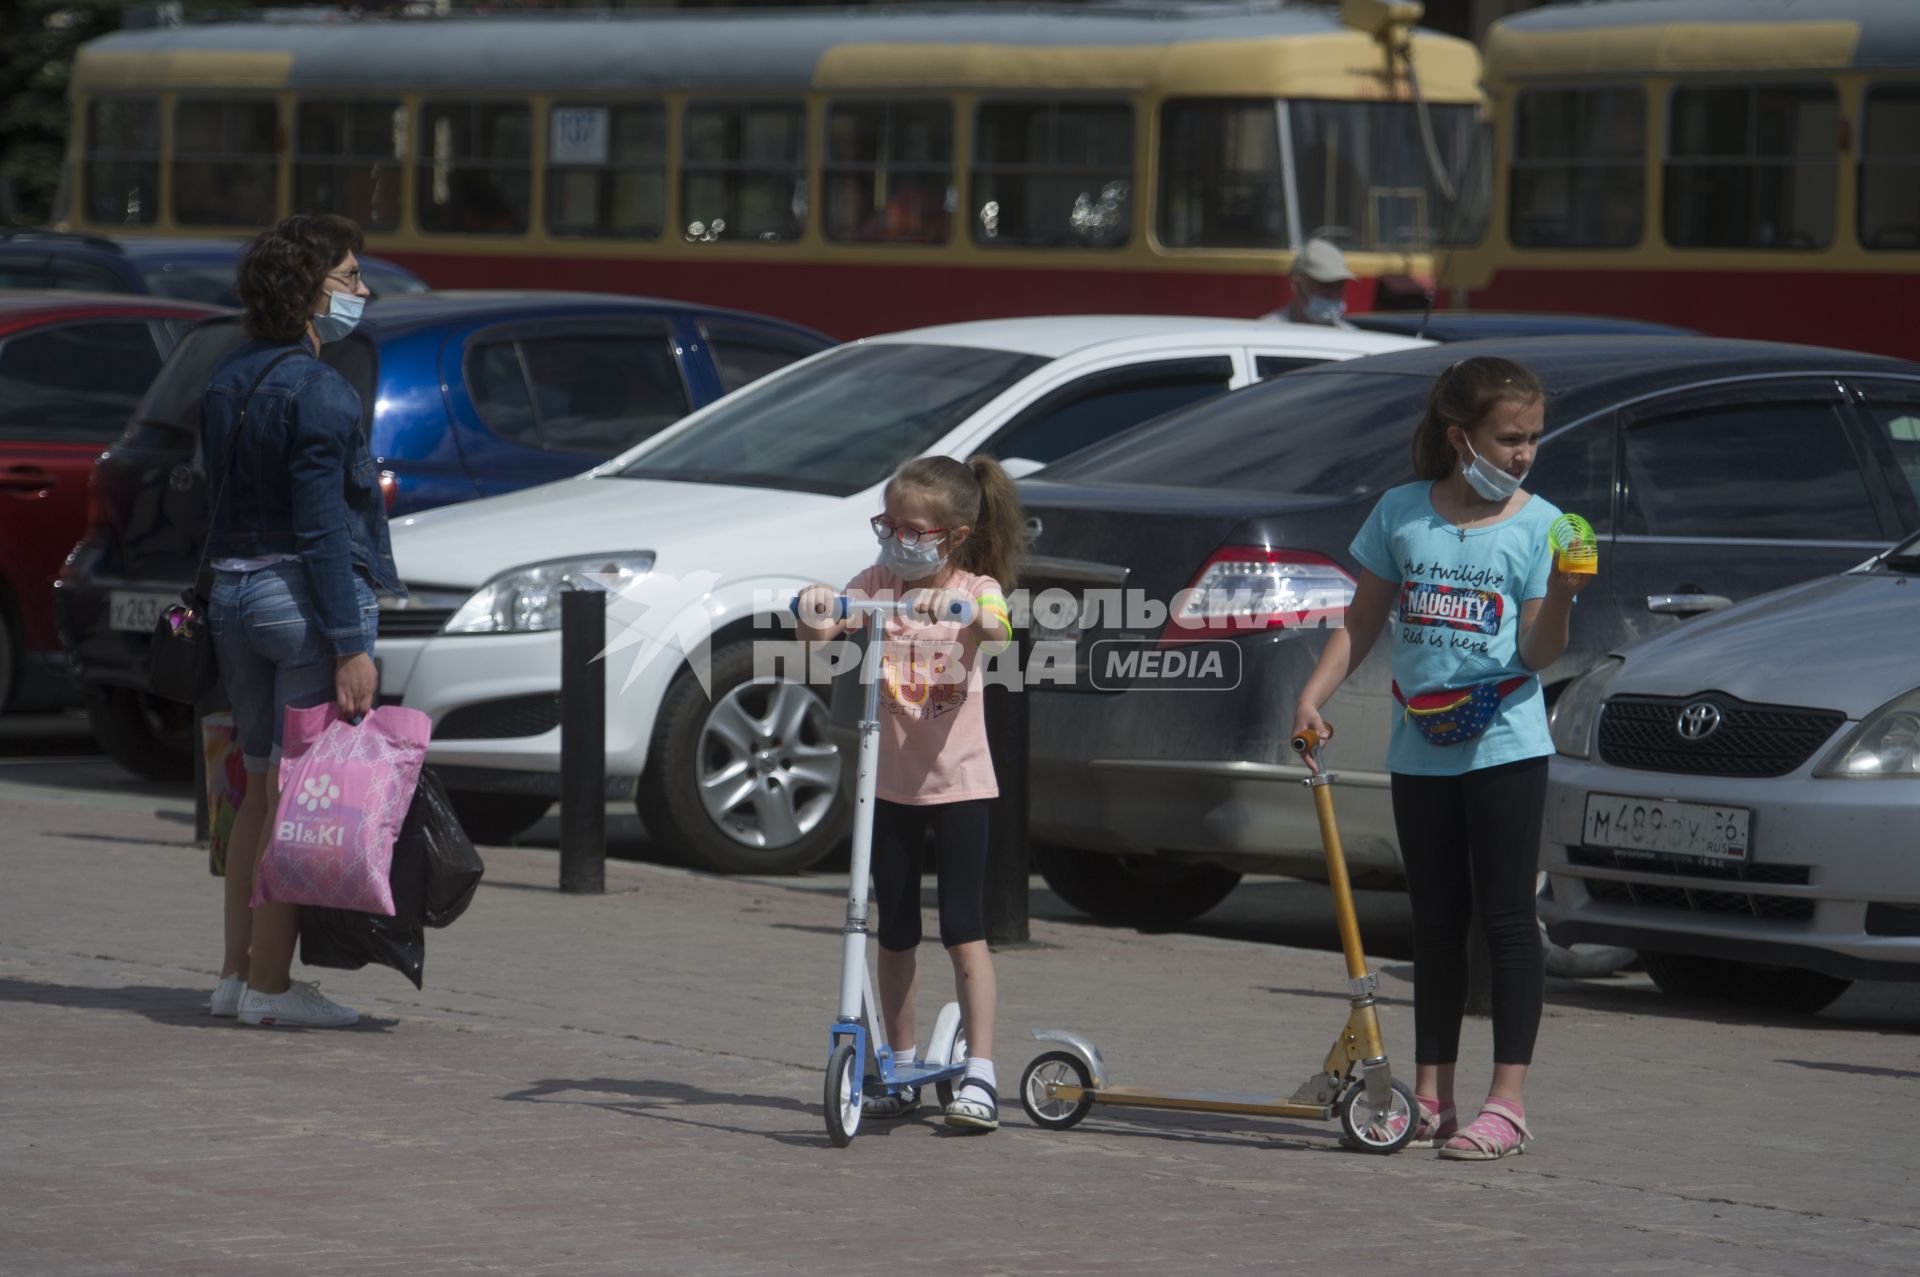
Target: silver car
1739,798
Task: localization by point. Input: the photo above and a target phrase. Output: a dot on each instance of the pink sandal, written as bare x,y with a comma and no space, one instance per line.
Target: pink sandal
1437,1123
1500,1129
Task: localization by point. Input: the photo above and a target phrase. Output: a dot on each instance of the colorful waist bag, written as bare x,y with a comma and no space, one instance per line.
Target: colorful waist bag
1456,716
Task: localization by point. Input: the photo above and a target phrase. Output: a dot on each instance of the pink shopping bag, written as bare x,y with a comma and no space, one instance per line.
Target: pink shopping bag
344,792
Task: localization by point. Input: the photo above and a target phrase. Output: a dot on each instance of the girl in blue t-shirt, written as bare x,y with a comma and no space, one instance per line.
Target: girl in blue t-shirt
1458,570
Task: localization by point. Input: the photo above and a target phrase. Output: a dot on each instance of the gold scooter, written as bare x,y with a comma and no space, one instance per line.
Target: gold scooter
1377,1113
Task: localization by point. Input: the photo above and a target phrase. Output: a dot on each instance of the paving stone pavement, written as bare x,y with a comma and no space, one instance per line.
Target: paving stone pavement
631,1083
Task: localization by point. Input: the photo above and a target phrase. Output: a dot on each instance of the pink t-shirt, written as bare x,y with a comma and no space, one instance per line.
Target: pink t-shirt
933,730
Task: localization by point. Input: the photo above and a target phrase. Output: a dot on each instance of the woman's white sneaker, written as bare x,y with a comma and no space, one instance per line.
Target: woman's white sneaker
225,1001
301,1006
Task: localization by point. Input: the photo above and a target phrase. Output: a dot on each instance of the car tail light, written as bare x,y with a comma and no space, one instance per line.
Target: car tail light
1250,587
389,488
98,523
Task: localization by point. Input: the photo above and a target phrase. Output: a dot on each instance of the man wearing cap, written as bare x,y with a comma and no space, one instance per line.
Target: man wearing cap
1319,281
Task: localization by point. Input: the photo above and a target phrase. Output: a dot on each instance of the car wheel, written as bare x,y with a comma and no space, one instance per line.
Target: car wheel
1581,961
1720,980
148,736
1140,891
747,781
497,818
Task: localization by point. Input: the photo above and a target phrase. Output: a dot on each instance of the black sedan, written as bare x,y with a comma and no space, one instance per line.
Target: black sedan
1712,470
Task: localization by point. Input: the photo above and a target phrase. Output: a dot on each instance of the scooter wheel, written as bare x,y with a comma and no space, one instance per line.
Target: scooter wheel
1372,1132
1053,1068
843,1095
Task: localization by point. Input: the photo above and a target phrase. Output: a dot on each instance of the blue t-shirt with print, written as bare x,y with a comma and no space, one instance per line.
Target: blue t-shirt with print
1456,621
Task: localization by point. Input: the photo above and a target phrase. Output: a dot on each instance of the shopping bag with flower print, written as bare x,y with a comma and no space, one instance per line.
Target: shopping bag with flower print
344,792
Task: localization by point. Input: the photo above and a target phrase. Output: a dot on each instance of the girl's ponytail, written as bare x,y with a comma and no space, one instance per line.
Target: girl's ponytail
999,540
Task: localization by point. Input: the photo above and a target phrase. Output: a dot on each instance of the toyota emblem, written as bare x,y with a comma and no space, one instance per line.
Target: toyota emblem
1698,721
1034,527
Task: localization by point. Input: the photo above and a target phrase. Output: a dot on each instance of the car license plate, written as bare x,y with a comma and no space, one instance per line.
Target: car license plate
129,611
1667,828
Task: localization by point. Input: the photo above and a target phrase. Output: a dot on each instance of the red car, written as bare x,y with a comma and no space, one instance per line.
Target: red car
73,367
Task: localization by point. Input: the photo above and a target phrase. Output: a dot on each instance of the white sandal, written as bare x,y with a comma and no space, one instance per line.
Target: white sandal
972,1114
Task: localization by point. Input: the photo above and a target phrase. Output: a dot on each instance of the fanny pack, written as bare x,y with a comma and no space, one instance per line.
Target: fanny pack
1456,716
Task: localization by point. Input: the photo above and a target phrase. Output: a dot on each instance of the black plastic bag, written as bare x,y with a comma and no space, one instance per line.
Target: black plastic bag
435,873
440,852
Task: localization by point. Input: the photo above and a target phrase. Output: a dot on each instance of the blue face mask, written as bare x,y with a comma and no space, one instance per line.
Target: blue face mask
915,563
1492,484
1325,310
342,317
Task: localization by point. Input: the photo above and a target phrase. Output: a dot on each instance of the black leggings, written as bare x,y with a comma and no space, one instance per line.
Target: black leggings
959,840
1474,840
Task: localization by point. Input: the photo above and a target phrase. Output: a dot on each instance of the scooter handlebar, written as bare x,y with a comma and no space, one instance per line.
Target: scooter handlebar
1311,740
961,610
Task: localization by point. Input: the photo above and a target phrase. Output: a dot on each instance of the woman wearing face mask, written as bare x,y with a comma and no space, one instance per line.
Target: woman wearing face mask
949,529
298,543
1457,566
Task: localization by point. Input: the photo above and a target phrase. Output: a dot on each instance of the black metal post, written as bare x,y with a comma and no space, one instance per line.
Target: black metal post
583,742
1007,850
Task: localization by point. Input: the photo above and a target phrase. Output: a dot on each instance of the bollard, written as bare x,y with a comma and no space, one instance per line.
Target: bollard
583,742
1006,902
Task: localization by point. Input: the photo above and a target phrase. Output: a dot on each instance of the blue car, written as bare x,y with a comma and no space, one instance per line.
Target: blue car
464,395
199,270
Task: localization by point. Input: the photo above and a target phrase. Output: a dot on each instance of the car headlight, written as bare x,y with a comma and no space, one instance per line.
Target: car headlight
1574,714
526,600
1887,743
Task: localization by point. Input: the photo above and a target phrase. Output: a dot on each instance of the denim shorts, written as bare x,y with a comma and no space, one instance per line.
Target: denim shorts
266,633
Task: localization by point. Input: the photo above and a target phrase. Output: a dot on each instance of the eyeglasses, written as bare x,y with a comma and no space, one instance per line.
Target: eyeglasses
909,535
350,278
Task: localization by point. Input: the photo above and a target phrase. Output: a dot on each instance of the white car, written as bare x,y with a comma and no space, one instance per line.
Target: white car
763,491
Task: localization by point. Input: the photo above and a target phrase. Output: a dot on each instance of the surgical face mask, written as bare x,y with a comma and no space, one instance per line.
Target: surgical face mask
342,317
1491,483
913,563
1325,310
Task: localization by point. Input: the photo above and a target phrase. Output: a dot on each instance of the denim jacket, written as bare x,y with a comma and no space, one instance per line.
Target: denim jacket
303,481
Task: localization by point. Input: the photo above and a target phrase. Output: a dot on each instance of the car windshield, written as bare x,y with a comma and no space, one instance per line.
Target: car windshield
1904,556
214,284
1314,433
174,398
838,425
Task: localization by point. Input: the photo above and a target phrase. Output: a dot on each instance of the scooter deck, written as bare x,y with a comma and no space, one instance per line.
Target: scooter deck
1191,1101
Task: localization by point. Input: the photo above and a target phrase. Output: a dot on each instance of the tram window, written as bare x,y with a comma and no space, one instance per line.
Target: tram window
347,160
1221,185
1890,169
1363,176
474,173
122,166
1579,168
607,170
889,172
1753,471
1752,167
743,171
1053,174
225,162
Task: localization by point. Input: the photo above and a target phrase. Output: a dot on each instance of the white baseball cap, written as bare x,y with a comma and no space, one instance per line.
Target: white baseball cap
1323,263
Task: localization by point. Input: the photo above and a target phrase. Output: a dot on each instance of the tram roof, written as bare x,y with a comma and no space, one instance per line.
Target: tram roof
1595,36
1250,44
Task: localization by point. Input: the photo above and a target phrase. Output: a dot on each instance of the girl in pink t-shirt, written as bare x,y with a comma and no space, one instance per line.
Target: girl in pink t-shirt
949,529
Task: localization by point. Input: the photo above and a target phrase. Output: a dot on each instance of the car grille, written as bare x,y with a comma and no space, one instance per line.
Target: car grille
1696,900
413,622
1642,732
512,716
